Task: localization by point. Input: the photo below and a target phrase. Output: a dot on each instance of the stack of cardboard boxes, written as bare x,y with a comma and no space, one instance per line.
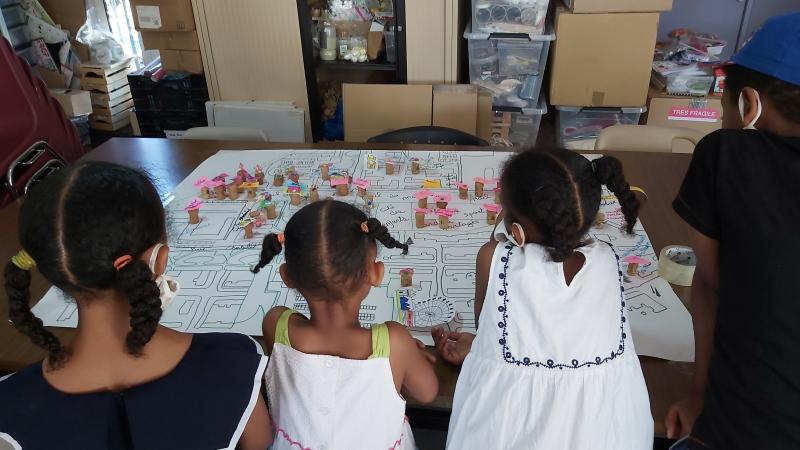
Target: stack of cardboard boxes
601,65
168,26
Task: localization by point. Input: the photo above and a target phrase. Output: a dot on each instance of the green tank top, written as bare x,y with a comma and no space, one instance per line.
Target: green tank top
380,335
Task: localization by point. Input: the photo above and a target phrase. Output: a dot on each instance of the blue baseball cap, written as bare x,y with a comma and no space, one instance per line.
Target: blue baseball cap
774,50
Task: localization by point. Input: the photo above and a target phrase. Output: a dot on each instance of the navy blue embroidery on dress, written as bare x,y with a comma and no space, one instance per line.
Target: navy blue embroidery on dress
550,364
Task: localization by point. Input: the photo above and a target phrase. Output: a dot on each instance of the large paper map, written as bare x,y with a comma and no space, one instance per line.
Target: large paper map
212,259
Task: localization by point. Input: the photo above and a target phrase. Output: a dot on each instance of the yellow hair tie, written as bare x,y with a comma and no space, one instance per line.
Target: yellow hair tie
23,260
640,190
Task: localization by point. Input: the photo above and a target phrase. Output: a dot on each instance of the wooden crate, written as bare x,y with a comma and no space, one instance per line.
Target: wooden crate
110,99
110,122
95,75
111,110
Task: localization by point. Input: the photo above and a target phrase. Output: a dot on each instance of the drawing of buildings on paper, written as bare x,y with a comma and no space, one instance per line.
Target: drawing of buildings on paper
212,260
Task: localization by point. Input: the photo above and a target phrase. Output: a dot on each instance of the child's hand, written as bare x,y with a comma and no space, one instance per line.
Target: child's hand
453,347
423,348
682,415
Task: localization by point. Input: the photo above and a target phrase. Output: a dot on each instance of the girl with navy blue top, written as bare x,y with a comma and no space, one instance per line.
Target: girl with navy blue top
125,382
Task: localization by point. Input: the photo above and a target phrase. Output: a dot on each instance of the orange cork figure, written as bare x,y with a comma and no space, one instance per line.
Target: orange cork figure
389,167
324,171
202,183
463,191
634,262
406,277
248,225
233,191
362,186
492,210
313,195
271,211
422,198
252,188
342,185
443,200
415,166
193,208
259,173
479,185
219,190
419,216
277,180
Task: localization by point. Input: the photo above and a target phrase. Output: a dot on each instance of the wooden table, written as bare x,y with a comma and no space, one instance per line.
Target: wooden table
170,161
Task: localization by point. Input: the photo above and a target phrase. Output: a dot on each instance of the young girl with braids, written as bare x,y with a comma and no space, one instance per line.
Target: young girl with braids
331,383
552,365
95,231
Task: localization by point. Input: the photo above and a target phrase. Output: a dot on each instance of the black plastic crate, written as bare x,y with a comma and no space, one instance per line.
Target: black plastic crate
181,99
156,122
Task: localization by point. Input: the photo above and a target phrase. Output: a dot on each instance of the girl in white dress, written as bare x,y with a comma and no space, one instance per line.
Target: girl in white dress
552,365
332,384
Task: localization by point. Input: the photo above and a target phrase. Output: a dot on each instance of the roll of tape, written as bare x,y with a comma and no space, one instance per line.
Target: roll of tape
676,264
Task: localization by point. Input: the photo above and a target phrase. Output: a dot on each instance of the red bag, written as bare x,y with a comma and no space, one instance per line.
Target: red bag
36,137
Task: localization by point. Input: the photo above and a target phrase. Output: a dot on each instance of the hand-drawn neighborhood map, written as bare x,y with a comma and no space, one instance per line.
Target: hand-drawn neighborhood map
212,259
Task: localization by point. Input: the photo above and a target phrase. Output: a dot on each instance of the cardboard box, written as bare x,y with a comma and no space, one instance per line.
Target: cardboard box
170,40
373,109
181,61
456,106
163,15
75,103
485,115
594,65
609,6
703,114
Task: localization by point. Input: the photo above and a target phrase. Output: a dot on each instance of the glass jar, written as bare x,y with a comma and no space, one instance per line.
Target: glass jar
327,51
344,44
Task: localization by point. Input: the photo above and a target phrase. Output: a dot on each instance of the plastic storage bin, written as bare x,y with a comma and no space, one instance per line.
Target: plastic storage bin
18,36
518,129
509,16
509,66
578,128
14,16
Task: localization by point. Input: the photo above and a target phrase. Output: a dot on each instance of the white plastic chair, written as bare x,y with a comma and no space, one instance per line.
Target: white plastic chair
648,138
225,134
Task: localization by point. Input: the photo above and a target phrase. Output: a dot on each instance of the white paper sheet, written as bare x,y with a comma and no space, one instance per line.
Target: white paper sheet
211,260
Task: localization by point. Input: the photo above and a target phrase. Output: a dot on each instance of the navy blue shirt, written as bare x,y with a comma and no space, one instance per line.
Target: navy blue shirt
743,190
204,403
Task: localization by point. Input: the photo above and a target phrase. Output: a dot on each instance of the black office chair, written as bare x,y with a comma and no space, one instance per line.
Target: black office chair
429,135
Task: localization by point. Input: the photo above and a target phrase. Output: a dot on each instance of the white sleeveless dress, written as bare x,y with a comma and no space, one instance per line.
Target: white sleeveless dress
553,365
321,402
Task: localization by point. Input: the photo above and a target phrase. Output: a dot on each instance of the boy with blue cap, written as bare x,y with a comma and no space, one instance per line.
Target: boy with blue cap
742,197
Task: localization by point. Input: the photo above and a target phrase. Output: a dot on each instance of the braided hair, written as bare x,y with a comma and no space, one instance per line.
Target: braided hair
327,247
75,224
559,192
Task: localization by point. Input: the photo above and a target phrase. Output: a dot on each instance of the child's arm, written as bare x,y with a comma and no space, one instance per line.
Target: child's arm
682,415
411,365
257,433
454,347
268,327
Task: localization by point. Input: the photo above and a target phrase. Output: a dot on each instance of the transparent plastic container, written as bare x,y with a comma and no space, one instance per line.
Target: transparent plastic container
510,66
519,129
18,35
391,45
519,58
509,16
578,127
14,16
